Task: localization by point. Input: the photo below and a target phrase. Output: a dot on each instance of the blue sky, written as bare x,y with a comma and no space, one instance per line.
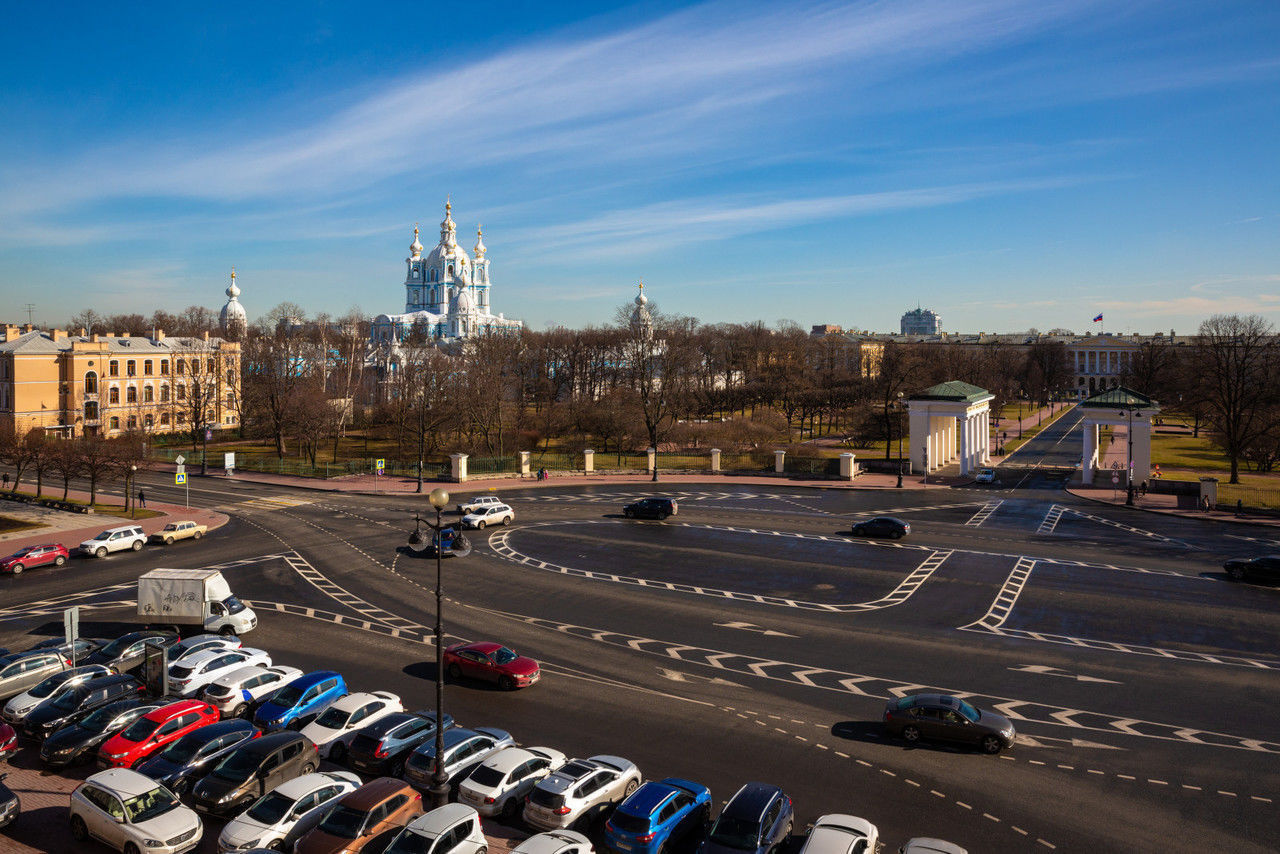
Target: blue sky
1008,164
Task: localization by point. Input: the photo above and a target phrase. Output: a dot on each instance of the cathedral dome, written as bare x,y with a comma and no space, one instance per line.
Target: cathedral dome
233,312
415,248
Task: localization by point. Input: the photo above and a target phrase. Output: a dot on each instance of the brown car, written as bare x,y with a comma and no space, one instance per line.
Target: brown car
372,813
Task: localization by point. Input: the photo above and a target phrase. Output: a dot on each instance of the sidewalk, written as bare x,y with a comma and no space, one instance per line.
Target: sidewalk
71,529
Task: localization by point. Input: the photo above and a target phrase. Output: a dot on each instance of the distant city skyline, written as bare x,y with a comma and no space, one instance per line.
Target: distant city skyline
1006,164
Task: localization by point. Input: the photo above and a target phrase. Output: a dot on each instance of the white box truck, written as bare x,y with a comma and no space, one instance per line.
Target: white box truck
192,597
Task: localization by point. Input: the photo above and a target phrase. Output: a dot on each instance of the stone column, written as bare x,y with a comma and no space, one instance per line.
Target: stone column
919,428
779,461
653,459
847,469
1090,458
588,461
966,443
458,471
1141,449
524,463
715,459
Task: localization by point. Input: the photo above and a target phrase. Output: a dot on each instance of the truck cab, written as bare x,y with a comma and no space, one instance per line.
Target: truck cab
193,597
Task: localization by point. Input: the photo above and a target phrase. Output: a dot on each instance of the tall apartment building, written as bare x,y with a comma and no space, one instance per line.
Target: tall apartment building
107,385
920,321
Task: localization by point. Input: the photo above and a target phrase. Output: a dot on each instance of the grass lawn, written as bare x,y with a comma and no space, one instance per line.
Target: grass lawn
8,525
99,509
1183,451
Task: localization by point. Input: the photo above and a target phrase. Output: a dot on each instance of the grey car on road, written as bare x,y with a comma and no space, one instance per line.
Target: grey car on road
940,717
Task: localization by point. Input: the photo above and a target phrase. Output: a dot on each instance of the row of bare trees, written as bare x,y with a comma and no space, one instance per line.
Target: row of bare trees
48,460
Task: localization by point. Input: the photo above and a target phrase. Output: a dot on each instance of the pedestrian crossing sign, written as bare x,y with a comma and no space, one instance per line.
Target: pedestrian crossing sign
180,478
380,465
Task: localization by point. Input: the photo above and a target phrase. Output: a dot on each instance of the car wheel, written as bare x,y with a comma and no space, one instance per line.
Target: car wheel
60,561
239,709
168,541
101,552
79,832
506,520
226,631
1235,573
275,845
455,672
897,535
197,535
307,769
131,848
910,734
631,787
663,516
137,544
17,569
338,753
480,524
992,745
630,514
506,683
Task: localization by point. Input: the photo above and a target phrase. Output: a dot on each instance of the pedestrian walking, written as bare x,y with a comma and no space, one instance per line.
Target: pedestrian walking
6,480
142,498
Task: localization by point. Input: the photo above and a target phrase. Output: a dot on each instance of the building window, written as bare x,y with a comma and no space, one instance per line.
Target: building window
182,367
164,419
91,411
113,368
182,392
164,394
114,423
148,394
164,367
113,396
431,277
132,422
131,368
150,421
131,395
147,366
91,383
208,367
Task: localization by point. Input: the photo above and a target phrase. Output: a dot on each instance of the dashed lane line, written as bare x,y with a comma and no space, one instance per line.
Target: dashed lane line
882,688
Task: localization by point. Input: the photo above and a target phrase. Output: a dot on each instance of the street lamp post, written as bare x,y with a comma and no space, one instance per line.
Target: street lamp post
1128,498
901,430
439,499
129,498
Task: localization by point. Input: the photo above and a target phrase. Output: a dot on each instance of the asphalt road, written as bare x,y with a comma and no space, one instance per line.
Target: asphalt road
751,638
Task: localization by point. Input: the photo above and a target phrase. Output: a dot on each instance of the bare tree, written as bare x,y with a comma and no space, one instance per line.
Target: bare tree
97,462
1236,360
66,461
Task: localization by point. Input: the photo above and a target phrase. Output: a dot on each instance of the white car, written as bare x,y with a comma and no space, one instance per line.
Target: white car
198,643
115,540
499,784
580,788
131,812
985,476
17,709
478,503
278,818
555,842
841,834
457,824
494,514
925,845
188,677
333,731
241,689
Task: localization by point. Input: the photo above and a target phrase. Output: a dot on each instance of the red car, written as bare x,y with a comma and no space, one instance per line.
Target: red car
153,731
8,741
491,661
50,553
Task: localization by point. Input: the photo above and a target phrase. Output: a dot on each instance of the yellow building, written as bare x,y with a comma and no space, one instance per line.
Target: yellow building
108,385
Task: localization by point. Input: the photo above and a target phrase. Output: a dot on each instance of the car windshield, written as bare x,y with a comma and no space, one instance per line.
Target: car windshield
344,822
234,605
140,729
116,646
288,696
105,535
333,718
237,766
504,656
628,823
21,553
69,701
969,711
486,776
149,805
48,686
734,833
182,750
270,808
409,842
97,721
179,671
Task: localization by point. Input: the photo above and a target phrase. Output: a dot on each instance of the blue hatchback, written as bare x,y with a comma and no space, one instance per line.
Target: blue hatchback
656,814
297,703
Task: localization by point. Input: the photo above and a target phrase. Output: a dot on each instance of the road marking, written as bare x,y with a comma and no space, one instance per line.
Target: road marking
752,627
983,514
1129,528
677,676
1046,670
274,502
1051,519
1007,597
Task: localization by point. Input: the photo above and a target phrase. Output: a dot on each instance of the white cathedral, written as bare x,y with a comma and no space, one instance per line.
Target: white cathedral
446,293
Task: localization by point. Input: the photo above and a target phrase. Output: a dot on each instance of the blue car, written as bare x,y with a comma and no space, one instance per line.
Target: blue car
657,814
757,820
298,703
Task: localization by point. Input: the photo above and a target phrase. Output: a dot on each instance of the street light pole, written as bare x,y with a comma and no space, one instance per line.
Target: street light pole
439,498
1128,499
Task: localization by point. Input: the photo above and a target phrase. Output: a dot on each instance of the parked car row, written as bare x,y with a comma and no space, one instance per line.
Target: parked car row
122,538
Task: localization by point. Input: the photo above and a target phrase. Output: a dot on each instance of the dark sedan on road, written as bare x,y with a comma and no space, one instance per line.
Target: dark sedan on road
882,526
939,717
1266,568
650,508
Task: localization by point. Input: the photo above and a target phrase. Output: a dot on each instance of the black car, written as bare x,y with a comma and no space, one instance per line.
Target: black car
79,741
1266,568
882,526
942,717
381,748
249,771
78,702
126,652
650,508
757,820
10,806
83,646
190,757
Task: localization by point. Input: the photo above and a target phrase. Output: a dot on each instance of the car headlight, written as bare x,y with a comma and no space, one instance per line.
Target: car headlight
245,846
152,843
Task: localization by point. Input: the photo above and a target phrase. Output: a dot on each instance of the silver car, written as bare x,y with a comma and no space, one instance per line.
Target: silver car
464,749
280,817
499,785
23,671
126,810
17,709
579,792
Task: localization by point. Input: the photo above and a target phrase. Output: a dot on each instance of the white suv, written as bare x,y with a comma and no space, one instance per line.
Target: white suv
480,502
239,690
131,812
115,540
493,514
